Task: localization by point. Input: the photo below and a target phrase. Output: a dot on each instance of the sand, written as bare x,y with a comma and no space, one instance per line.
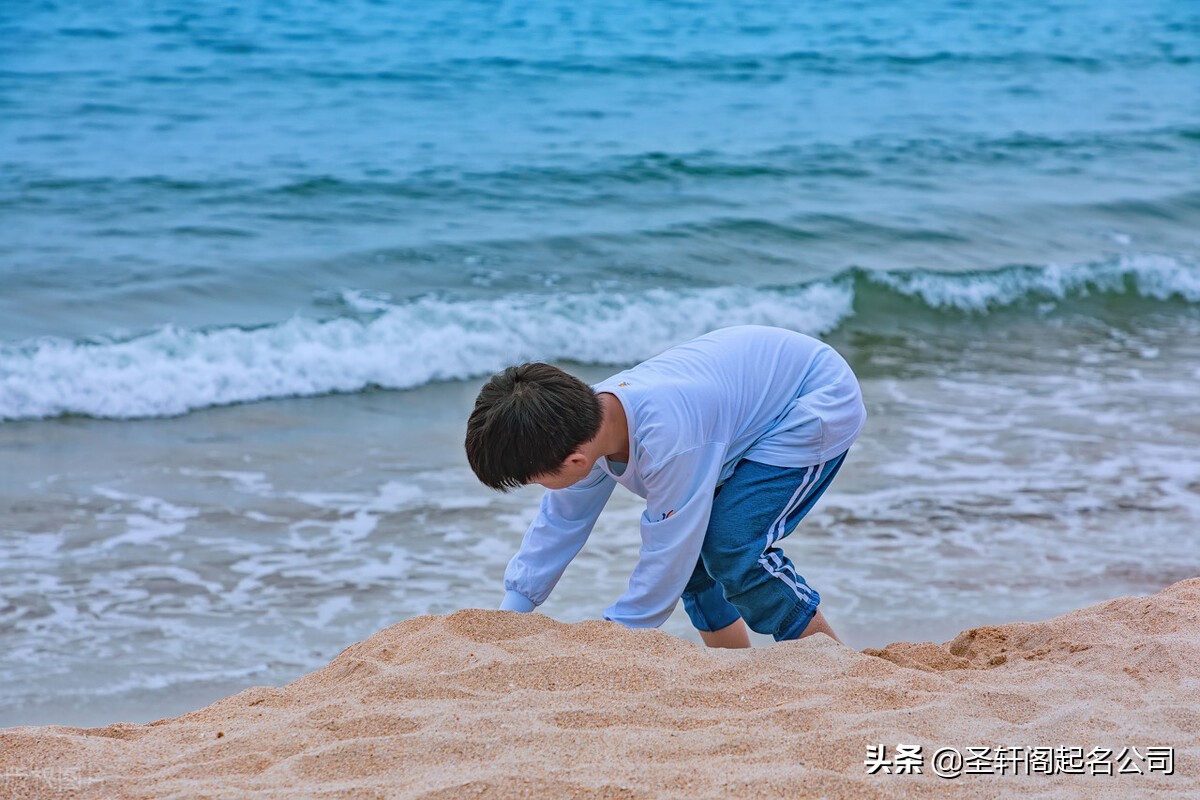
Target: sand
488,704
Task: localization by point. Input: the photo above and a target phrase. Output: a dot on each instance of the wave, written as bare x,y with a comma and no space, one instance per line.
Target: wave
1152,277
400,345
863,158
747,66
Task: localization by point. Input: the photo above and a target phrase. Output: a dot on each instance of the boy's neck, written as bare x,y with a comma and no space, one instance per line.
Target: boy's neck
612,441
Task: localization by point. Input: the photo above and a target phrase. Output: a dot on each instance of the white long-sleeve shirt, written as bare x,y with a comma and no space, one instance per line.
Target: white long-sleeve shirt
750,392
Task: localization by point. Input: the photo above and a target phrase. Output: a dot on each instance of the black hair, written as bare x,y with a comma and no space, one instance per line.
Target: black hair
527,420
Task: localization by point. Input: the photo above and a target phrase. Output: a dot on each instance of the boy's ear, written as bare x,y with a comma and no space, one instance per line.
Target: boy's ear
576,461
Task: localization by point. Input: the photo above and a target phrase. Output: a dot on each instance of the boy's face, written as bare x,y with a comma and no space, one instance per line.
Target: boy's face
574,469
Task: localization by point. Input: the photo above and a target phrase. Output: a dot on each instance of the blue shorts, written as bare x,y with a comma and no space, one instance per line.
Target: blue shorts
741,572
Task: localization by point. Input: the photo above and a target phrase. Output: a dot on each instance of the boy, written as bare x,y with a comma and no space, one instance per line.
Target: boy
731,438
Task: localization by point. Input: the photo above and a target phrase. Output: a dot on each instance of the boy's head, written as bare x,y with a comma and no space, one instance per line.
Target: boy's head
527,421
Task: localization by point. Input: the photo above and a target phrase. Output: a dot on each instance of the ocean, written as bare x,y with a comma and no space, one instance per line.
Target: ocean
256,259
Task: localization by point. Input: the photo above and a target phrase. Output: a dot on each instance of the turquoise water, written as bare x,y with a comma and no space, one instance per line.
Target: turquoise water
209,212
235,166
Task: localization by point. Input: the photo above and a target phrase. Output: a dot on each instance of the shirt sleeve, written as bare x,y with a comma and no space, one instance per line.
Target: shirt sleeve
679,501
554,538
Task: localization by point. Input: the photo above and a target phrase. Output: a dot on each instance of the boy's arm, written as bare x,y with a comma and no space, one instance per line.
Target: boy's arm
678,504
554,538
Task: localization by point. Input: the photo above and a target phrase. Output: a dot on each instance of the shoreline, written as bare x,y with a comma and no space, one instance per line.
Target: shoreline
158,565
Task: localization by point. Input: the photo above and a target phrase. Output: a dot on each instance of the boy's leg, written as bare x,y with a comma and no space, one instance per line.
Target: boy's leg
756,507
818,624
719,623
734,636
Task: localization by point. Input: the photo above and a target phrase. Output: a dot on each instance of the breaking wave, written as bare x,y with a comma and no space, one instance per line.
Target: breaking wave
402,345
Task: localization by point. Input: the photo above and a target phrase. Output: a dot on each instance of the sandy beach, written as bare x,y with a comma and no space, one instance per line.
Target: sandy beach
496,704
258,259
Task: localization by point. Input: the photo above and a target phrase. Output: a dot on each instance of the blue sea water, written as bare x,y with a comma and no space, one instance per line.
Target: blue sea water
993,209
231,165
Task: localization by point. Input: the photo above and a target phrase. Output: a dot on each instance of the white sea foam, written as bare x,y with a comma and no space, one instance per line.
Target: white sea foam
1155,277
249,482
174,370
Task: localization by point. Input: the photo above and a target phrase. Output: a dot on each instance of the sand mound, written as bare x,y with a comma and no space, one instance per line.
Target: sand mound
497,704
